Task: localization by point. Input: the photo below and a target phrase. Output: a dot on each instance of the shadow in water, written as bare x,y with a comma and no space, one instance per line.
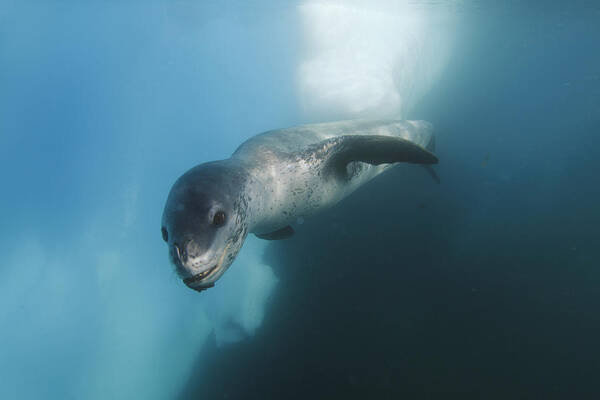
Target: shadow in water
412,294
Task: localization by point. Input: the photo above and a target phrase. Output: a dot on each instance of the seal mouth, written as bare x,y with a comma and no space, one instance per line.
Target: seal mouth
201,276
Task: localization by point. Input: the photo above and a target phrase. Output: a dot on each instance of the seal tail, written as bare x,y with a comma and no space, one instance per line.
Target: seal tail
432,172
429,168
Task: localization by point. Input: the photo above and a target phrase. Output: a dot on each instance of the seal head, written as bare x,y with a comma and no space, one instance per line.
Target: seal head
204,222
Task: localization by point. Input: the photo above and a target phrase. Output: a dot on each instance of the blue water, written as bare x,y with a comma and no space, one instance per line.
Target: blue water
484,286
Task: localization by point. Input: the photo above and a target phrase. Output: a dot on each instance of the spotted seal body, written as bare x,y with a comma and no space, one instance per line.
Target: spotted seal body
274,178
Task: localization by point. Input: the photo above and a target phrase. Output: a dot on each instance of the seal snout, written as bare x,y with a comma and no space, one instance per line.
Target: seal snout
182,258
184,255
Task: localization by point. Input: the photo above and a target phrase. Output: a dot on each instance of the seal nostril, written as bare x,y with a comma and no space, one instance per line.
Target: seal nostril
181,252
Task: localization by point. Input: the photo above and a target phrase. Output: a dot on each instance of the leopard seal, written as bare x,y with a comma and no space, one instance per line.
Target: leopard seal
273,179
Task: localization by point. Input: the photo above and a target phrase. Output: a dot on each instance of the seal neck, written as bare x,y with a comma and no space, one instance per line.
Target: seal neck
266,191
257,198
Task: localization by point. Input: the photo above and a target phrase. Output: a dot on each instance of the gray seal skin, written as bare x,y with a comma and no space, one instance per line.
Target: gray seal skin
273,179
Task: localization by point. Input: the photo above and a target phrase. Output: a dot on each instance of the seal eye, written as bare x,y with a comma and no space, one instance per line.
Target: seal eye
165,234
219,218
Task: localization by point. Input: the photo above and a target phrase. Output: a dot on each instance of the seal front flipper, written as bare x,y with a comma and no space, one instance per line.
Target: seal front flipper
371,149
283,233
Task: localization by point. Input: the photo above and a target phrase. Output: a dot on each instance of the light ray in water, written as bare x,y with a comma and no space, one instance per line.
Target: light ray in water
373,59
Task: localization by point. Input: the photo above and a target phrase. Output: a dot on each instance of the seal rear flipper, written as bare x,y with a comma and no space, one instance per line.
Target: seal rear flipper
429,168
432,172
372,149
283,233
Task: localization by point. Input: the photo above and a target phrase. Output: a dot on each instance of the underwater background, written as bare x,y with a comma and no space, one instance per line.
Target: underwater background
484,286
